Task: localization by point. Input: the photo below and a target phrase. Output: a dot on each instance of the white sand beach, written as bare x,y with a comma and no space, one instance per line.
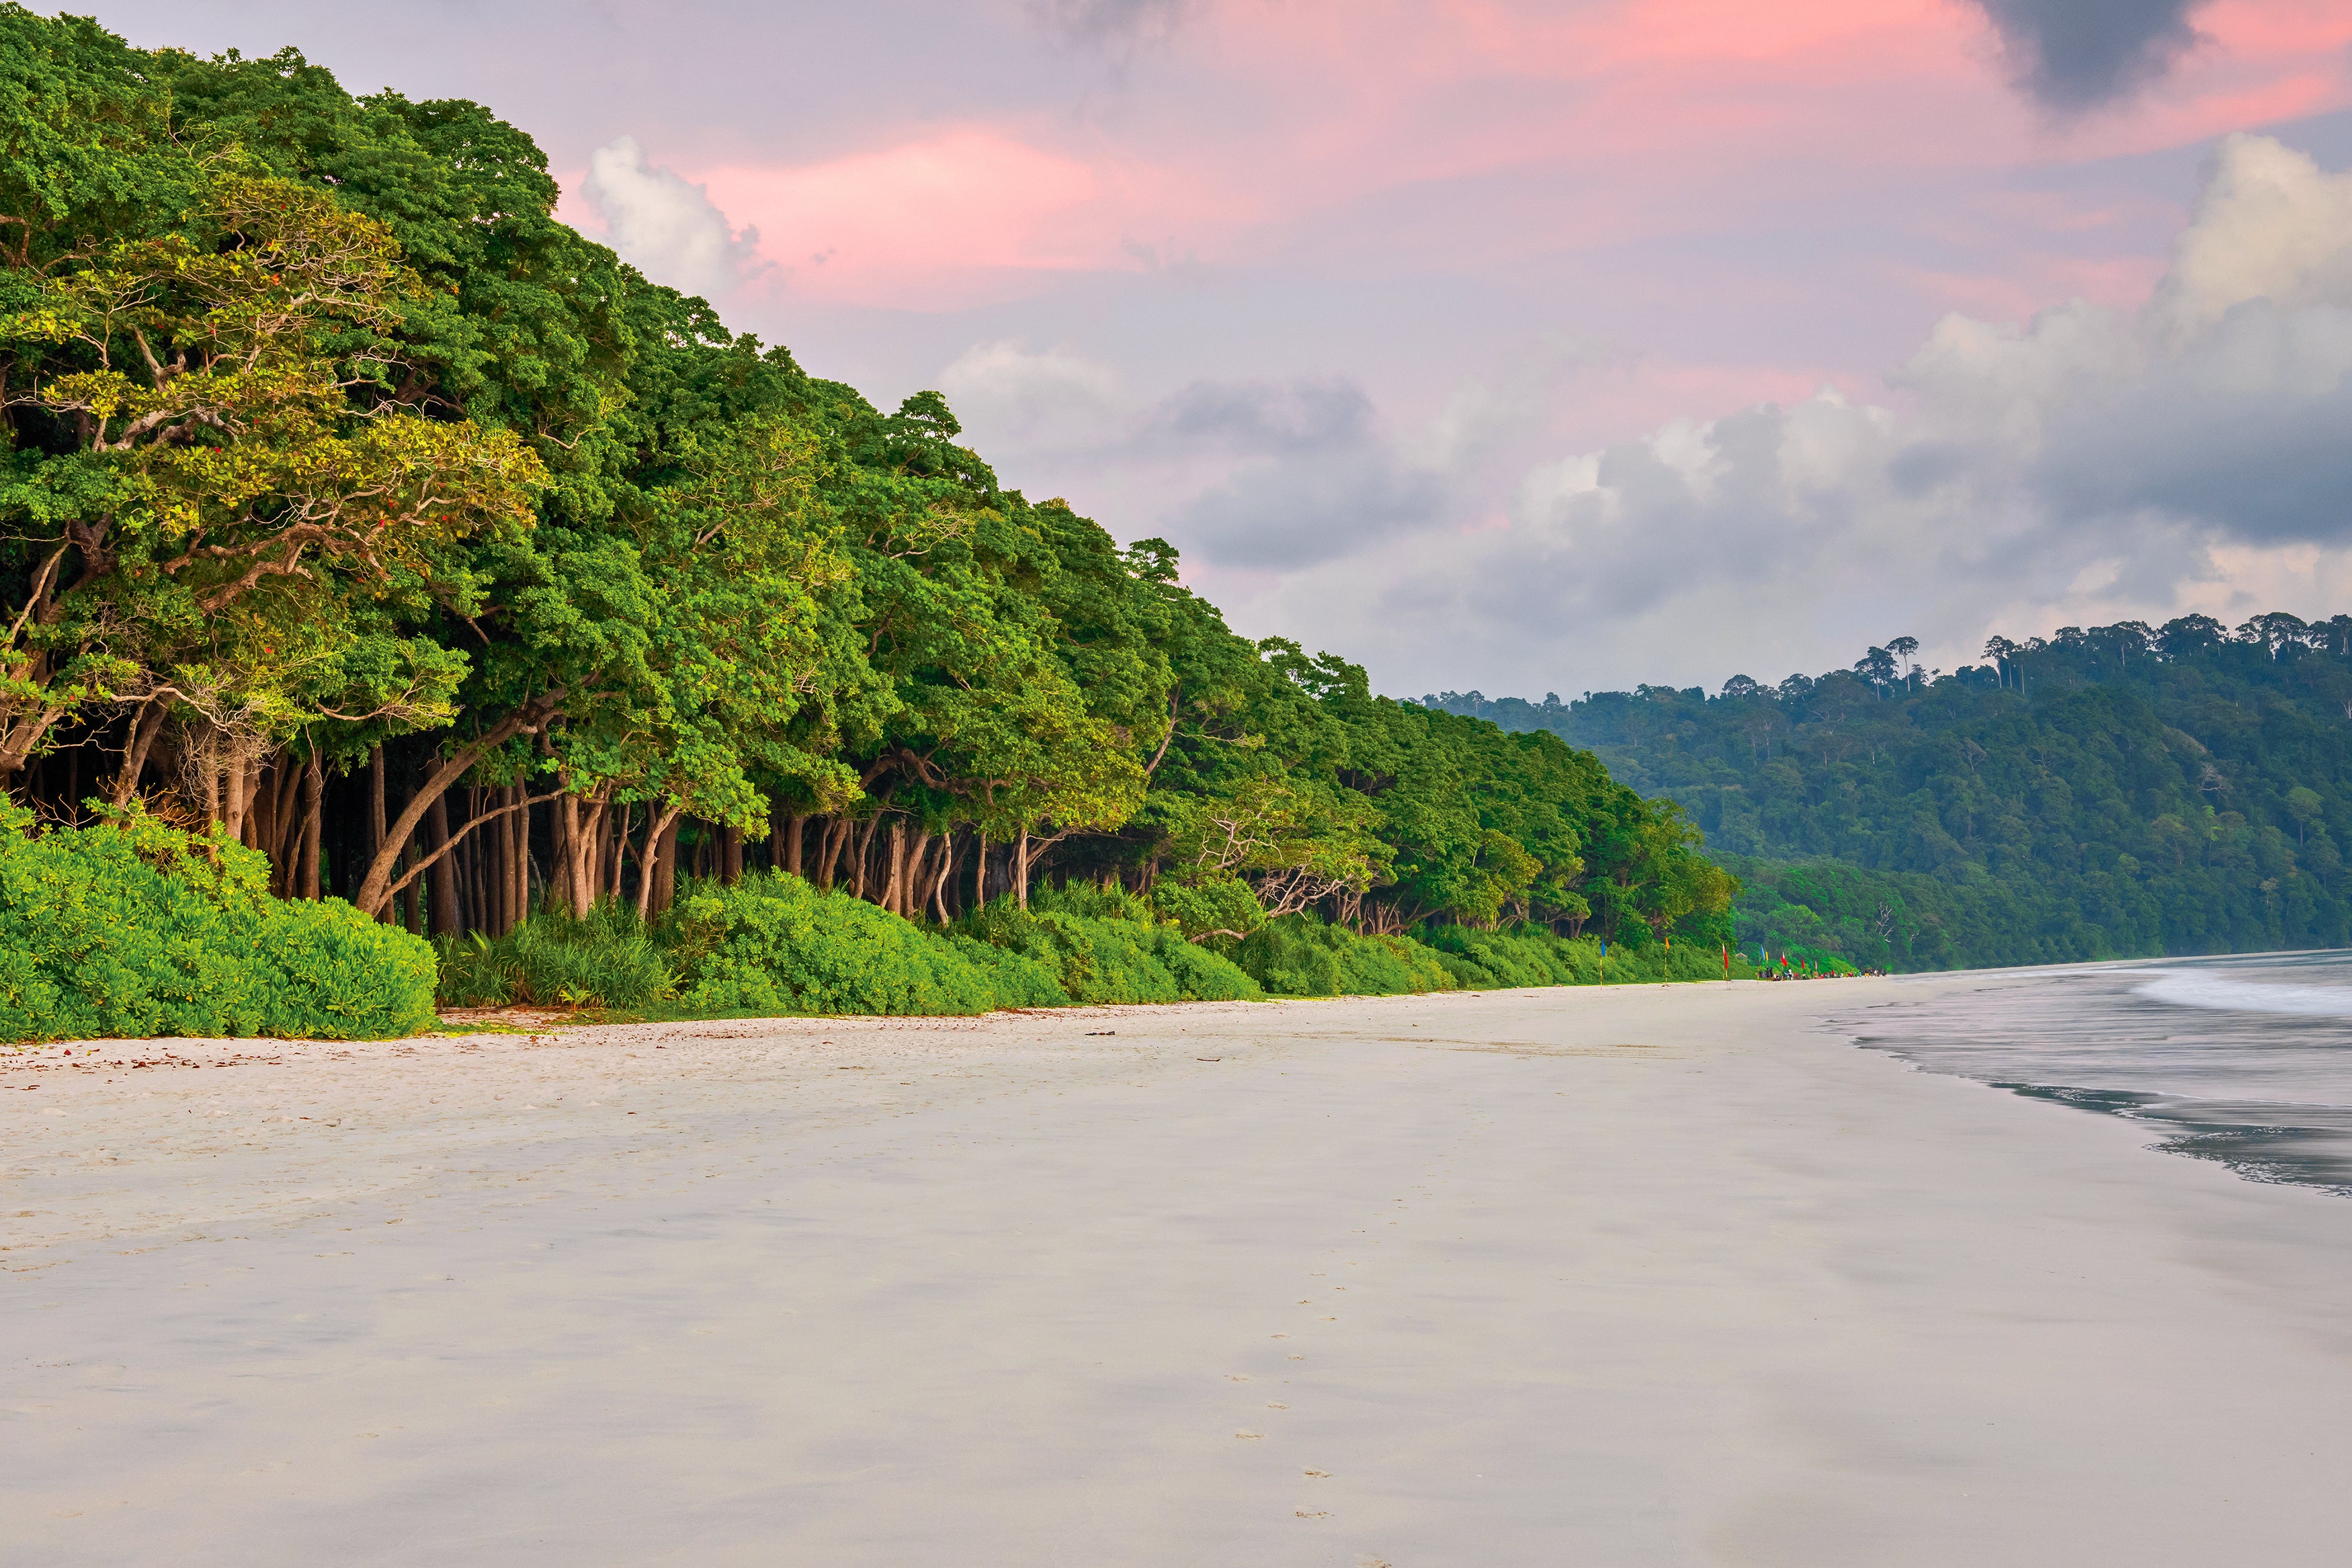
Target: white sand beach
1637,1276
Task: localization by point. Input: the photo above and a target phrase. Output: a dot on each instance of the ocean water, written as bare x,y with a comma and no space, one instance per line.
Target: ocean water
2246,1060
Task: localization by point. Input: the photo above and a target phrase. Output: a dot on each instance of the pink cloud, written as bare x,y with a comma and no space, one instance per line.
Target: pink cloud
1662,116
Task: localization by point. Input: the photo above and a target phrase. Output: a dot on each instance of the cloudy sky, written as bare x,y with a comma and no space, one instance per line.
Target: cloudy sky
1515,345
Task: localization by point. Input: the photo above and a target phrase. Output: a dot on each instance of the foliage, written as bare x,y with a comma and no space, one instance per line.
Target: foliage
772,944
605,958
2116,792
1302,955
382,516
133,927
1109,948
1532,957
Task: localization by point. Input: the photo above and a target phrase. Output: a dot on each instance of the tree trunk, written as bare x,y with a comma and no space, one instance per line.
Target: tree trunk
836,835
794,827
499,876
518,847
562,834
619,851
731,855
374,887
233,807
207,762
945,875
893,882
411,916
444,874
143,731
1021,871
865,846
375,823
588,855
314,787
664,883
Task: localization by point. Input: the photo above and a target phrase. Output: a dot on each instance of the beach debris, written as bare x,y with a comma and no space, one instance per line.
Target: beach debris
1249,1437
1208,1059
1318,1475
1092,1032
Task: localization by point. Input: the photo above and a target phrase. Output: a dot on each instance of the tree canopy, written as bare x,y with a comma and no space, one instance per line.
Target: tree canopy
361,507
2111,792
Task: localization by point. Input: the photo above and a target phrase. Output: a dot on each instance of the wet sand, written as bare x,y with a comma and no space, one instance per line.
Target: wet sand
1647,1275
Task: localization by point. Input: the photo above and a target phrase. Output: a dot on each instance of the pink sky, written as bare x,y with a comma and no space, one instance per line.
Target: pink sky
1481,341
1665,115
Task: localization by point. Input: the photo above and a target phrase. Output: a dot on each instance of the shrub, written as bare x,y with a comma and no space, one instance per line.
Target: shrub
1521,958
1109,948
1212,904
134,927
1300,956
771,944
1020,980
604,958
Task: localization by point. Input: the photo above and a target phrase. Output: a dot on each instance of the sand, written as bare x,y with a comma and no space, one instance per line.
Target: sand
1647,1275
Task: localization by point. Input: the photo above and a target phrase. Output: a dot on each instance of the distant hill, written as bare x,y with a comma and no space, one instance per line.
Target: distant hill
2123,791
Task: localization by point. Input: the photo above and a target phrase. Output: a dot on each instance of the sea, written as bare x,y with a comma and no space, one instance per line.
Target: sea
2246,1060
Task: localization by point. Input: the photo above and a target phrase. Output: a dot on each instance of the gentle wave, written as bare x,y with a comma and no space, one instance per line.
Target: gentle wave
2194,988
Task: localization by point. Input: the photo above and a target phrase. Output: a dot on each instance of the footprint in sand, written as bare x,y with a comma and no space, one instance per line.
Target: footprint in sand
1271,1406
1312,1512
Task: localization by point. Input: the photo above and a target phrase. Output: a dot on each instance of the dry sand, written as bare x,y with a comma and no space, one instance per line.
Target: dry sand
1641,1277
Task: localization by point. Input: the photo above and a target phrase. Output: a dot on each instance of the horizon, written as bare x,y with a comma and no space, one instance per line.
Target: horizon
1508,347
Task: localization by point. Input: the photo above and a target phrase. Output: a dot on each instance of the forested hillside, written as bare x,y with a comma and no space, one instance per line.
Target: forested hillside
360,509
2119,791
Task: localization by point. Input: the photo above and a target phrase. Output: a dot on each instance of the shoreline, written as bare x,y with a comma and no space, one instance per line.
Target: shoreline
1670,1274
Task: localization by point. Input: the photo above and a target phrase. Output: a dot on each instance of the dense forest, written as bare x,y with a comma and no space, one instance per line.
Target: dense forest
2121,792
360,510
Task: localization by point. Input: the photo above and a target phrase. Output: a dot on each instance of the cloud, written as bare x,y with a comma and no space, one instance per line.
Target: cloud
668,228
2090,464
1017,394
1311,509
2077,55
1267,418
1109,25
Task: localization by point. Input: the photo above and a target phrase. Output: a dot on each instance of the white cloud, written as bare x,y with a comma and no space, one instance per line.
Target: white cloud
2090,464
665,226
1003,390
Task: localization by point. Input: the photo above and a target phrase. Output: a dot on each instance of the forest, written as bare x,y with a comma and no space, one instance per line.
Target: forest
2123,791
367,521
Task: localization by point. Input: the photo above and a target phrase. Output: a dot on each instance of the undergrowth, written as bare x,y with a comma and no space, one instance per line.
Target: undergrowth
133,927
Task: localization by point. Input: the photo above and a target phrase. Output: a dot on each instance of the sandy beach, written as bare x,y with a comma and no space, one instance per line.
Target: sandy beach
1651,1276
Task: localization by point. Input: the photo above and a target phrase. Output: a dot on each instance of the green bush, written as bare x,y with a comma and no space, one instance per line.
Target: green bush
1107,947
1020,980
1300,956
605,958
133,927
1521,958
774,945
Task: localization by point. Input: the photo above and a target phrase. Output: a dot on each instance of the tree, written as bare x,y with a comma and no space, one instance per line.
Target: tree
2305,806
215,475
1905,649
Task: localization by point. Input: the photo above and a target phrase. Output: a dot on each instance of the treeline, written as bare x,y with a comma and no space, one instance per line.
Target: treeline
2121,792
358,508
